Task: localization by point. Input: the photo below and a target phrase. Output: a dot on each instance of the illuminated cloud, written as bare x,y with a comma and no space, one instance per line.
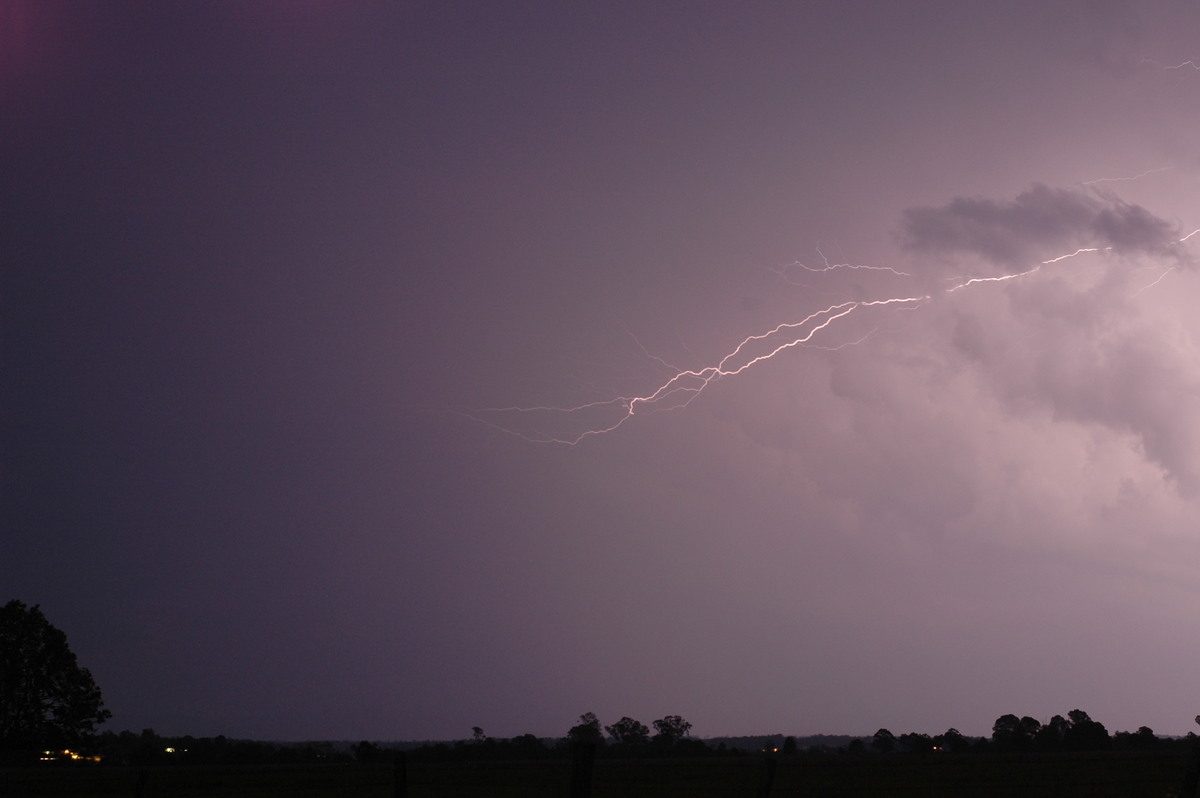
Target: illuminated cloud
1075,343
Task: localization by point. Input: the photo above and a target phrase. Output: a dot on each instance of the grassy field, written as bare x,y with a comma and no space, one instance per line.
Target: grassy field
1125,775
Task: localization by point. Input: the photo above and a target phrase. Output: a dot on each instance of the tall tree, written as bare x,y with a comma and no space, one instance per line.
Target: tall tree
1050,736
883,741
672,729
629,731
587,730
915,742
45,697
1010,733
1085,734
952,740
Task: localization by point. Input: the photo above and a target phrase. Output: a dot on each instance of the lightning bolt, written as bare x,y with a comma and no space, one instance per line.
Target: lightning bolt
647,353
1182,65
1155,282
1166,271
684,385
1146,173
829,267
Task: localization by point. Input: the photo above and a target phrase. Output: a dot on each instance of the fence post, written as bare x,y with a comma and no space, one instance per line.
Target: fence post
764,790
582,759
400,775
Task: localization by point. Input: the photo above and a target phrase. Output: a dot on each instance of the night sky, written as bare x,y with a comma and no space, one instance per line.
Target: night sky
282,280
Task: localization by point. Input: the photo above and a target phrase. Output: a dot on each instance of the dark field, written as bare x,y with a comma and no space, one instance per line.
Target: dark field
1120,775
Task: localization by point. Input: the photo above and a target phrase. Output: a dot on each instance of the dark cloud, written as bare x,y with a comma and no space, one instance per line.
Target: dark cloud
1040,223
1132,227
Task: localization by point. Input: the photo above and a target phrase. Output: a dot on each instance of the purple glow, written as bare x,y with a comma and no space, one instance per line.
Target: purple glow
265,261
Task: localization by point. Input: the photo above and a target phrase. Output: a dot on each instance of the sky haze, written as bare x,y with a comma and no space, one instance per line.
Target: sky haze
314,314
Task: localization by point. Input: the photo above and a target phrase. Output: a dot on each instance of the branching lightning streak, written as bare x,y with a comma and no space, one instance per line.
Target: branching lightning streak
1156,281
829,267
1166,271
1027,272
650,356
842,346
1190,63
684,385
826,266
1146,173
1079,251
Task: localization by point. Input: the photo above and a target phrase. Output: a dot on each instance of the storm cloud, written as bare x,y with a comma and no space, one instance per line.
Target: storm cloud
1041,223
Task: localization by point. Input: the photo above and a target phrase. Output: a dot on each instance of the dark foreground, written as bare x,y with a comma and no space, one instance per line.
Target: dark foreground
1096,775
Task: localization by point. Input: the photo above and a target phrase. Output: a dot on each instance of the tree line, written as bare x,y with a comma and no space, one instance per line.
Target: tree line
1076,732
50,707
626,737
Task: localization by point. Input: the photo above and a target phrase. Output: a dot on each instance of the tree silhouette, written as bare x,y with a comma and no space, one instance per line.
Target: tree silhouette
1050,737
915,742
1015,734
672,729
366,752
628,731
952,740
883,741
1141,740
587,730
45,697
1085,734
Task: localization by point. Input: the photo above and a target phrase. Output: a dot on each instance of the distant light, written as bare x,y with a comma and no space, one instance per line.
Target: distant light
66,753
169,750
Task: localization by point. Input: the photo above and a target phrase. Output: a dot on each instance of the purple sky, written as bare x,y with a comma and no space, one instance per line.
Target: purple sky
267,263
